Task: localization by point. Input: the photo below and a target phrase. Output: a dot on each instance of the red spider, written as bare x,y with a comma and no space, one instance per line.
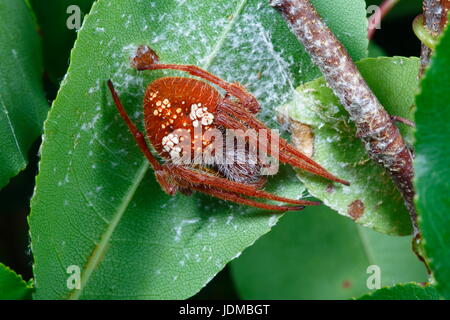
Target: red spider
173,104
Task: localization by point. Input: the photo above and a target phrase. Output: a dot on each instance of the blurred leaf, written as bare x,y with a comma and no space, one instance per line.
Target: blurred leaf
321,255
375,50
23,106
371,200
97,204
57,38
12,286
409,291
432,164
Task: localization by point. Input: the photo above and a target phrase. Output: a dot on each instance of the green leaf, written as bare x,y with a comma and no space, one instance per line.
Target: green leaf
321,255
12,286
409,291
375,50
23,106
432,165
351,31
58,39
97,205
372,200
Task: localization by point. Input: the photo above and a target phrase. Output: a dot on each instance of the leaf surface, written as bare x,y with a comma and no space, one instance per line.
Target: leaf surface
12,286
431,165
23,106
409,291
371,200
322,255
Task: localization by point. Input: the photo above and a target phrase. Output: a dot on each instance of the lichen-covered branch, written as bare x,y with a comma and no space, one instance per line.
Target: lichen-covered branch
375,128
434,19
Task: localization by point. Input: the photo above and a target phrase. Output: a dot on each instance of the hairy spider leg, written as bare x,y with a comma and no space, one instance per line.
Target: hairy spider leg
196,177
160,173
288,153
230,122
233,197
237,90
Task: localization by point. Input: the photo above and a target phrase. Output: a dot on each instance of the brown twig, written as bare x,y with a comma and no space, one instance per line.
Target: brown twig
375,19
434,19
381,137
407,122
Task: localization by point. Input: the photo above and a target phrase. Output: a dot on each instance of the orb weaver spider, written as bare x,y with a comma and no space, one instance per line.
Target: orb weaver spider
172,104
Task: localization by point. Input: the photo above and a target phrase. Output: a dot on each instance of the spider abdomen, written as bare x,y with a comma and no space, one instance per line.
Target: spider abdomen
245,167
176,106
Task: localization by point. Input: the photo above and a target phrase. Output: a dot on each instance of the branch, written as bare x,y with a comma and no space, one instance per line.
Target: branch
434,20
381,137
435,15
409,123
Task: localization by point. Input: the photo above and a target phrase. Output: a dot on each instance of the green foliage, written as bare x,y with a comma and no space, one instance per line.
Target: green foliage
432,164
23,106
57,38
394,81
375,51
409,291
97,204
321,255
12,286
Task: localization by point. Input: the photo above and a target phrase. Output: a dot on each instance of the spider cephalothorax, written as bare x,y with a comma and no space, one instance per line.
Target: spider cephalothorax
189,124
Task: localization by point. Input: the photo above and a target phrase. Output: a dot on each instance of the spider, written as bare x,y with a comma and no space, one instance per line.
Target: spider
175,108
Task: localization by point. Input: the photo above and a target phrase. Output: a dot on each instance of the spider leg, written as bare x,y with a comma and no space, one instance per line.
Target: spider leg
161,174
198,178
230,196
235,89
287,154
230,122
